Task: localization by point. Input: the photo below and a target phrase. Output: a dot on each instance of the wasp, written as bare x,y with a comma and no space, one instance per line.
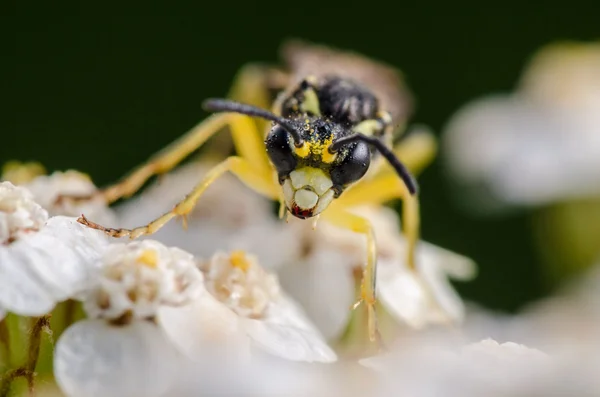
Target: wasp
328,147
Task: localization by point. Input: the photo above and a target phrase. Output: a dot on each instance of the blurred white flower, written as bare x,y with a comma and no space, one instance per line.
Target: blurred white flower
565,326
270,376
538,145
323,280
429,367
52,191
42,261
229,216
566,321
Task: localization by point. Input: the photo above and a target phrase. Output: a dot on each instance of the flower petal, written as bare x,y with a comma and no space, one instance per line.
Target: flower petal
324,286
48,266
202,326
425,296
437,264
402,293
20,291
93,358
287,333
88,243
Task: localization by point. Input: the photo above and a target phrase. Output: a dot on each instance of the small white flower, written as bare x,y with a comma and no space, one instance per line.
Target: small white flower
136,279
273,321
19,214
42,261
323,280
123,350
48,191
229,216
538,145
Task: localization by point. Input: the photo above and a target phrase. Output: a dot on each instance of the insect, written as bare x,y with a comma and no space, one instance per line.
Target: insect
328,147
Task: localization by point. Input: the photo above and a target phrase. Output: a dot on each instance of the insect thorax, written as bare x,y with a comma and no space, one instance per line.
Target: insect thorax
338,99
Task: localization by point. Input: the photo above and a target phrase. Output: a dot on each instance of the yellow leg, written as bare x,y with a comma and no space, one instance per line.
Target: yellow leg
416,152
244,134
368,296
167,158
380,189
260,181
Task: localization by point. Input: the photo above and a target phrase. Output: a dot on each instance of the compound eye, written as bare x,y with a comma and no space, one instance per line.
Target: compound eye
280,150
354,165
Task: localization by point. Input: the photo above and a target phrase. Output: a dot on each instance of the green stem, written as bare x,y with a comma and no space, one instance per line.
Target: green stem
35,340
5,340
6,380
70,313
27,371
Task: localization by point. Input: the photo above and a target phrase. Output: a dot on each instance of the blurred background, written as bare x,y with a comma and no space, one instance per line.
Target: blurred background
101,93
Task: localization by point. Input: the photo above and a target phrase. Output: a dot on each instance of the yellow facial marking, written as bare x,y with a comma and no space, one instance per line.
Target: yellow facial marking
317,148
148,258
328,157
238,259
303,151
322,149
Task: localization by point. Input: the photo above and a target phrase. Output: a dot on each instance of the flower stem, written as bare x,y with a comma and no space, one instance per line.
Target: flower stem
27,371
5,340
6,380
35,340
70,313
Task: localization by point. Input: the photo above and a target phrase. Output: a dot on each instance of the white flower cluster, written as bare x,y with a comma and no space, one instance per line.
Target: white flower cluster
155,312
50,192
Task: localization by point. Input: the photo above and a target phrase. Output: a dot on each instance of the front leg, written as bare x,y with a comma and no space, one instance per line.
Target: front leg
255,178
378,190
368,296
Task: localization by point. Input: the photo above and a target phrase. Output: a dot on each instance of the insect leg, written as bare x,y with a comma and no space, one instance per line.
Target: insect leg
384,188
416,151
165,159
361,225
244,170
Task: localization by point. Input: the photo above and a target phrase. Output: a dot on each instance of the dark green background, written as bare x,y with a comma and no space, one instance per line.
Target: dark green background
100,92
